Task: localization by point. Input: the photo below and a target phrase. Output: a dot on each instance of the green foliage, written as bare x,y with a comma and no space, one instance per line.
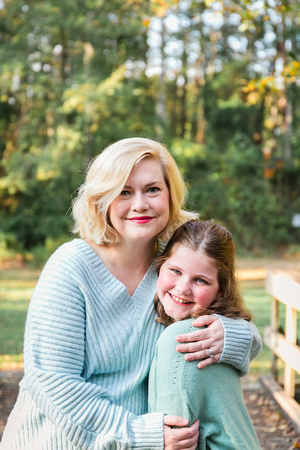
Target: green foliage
237,117
228,185
74,77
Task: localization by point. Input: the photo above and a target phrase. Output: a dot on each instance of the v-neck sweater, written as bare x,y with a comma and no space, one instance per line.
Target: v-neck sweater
87,354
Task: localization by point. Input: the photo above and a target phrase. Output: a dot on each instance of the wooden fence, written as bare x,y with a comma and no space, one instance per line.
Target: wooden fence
284,287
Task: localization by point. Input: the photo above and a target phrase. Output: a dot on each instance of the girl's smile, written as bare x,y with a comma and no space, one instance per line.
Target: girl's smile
179,300
187,282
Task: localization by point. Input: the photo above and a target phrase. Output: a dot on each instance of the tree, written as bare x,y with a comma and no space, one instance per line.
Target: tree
218,82
59,89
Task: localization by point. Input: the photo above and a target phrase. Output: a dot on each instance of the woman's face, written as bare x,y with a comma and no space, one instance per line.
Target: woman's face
187,282
141,211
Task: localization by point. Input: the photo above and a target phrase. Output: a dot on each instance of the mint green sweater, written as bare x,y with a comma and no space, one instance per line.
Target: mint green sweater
213,395
87,354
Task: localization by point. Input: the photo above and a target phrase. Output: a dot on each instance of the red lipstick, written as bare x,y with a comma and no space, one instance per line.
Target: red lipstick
141,219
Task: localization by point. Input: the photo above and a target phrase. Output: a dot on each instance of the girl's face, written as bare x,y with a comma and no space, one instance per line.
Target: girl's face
187,282
141,211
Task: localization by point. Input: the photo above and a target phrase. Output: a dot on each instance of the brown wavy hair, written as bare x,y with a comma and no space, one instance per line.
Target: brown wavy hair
217,243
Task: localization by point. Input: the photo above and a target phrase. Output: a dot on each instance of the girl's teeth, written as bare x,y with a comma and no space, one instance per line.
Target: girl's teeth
179,300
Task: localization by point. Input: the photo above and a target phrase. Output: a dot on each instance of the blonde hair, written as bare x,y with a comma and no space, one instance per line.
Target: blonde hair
105,179
216,242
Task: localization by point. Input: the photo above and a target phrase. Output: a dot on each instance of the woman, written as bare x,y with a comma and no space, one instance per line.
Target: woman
91,331
196,276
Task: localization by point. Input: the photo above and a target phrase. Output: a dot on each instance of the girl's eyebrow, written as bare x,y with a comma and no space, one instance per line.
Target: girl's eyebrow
177,267
205,277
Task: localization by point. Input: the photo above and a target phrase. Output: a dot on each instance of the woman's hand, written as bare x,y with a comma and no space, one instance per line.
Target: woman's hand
180,438
206,344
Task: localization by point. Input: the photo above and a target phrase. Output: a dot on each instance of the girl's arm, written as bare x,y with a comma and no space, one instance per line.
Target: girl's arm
234,341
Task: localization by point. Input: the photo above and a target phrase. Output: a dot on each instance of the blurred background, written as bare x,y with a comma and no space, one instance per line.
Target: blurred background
217,82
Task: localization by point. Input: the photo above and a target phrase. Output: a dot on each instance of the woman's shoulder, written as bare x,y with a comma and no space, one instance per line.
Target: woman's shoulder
161,245
74,248
71,254
176,328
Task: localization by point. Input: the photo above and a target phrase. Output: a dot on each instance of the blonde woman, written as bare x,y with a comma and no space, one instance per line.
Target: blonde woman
91,331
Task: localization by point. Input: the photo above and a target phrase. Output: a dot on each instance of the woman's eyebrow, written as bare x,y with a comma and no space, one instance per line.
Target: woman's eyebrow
152,183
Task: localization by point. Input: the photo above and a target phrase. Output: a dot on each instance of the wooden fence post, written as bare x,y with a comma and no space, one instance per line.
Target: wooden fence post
291,337
274,326
283,284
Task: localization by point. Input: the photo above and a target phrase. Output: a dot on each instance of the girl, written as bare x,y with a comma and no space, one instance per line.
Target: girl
196,276
91,332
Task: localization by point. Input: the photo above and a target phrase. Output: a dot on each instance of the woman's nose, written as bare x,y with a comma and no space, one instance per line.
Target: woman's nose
139,202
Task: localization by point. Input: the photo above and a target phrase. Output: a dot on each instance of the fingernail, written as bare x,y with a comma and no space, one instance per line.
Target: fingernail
187,357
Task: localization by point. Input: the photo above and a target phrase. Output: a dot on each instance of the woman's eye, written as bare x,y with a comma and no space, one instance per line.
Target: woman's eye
176,271
200,280
153,189
124,192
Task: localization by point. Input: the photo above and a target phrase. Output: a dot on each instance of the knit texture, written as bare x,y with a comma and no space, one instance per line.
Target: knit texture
87,354
213,395
241,345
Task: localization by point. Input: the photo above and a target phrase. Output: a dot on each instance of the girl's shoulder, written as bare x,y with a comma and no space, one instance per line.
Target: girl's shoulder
176,328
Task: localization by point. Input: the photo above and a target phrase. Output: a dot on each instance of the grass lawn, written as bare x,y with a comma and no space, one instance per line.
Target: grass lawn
259,302
16,287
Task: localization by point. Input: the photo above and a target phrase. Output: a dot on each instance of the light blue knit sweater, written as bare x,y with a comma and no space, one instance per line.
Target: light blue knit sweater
87,354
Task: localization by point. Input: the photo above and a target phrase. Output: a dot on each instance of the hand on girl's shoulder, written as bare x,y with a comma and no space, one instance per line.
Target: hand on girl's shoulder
176,328
181,327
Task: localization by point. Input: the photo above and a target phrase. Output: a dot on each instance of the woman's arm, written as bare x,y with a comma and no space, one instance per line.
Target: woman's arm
242,343
234,341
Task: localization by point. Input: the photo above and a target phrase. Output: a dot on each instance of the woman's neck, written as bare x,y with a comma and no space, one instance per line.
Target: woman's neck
128,262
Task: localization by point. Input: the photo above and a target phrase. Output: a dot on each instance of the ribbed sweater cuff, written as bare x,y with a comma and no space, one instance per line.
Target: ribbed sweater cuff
237,343
148,432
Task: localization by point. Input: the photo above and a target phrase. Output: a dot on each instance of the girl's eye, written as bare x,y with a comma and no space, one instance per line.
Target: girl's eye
124,193
201,281
176,271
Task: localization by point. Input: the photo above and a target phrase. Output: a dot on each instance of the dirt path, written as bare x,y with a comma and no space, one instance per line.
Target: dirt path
274,431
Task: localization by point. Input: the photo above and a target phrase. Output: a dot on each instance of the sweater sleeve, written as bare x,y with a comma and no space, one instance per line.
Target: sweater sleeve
242,343
54,356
